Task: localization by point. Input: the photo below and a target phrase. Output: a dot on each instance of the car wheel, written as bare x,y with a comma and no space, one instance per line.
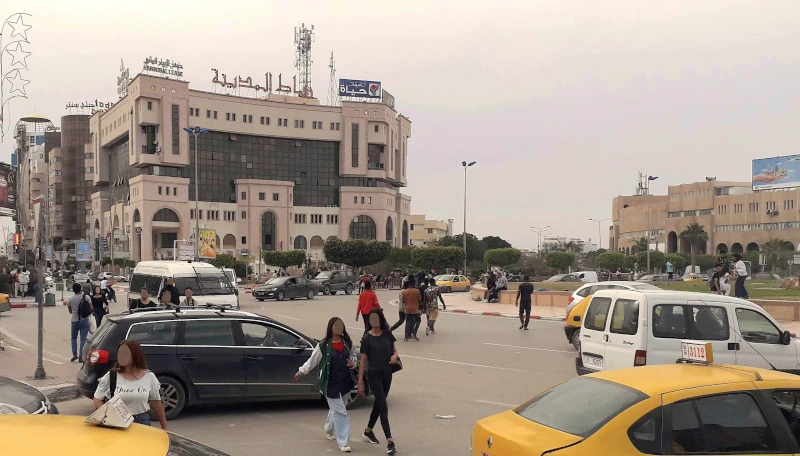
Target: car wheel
280,295
311,294
349,289
333,292
259,299
466,289
173,397
449,290
576,339
327,290
352,400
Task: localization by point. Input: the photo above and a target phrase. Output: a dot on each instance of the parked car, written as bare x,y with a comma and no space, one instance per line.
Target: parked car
332,282
452,282
5,302
119,278
653,278
563,278
80,277
104,276
587,276
208,356
24,396
281,288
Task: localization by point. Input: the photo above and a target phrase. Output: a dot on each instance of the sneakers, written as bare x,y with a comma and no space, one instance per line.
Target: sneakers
344,449
369,436
525,328
329,436
521,326
74,358
427,331
390,448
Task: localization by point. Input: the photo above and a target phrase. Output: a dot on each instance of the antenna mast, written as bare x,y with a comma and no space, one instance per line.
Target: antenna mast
303,38
333,91
643,188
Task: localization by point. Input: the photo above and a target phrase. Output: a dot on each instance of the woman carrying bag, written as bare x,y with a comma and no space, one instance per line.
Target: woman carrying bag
333,356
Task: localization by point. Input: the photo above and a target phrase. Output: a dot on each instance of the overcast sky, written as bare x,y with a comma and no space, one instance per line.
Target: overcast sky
560,102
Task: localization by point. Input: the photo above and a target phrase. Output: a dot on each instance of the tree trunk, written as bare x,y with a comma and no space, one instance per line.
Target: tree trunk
691,254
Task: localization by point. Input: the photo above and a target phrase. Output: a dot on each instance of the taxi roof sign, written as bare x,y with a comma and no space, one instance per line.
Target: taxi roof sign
113,414
696,352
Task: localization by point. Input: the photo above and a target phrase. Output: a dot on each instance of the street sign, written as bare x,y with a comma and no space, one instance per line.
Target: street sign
797,259
186,252
244,252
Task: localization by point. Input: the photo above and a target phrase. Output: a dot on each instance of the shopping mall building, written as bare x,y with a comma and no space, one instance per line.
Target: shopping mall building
736,218
274,174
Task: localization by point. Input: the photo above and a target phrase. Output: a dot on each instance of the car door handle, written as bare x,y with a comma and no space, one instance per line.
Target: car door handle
188,358
253,358
733,346
605,337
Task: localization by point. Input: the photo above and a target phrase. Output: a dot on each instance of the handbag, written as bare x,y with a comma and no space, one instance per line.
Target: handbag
397,367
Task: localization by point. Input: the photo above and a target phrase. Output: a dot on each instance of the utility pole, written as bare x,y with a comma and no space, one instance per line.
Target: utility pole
464,235
40,374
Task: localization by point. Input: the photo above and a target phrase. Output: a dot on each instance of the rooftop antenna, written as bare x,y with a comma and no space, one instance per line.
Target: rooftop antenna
303,37
643,187
333,91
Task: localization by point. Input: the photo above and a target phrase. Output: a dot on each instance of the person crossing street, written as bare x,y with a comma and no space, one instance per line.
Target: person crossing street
524,302
432,297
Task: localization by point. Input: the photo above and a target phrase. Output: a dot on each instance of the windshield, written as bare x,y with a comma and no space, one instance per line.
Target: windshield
557,277
601,401
139,281
277,281
444,278
324,275
231,275
214,284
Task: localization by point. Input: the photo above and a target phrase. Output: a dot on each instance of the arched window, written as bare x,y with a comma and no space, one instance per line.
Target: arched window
165,215
405,233
300,243
316,243
363,227
389,229
136,216
269,231
229,242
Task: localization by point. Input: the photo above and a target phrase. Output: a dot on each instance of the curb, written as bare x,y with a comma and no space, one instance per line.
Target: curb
22,305
61,393
505,315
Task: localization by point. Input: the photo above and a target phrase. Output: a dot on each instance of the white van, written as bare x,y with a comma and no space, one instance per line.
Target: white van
209,284
587,276
626,328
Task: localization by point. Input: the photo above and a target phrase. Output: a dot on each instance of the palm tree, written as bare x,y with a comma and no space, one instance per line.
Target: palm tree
775,250
641,244
694,234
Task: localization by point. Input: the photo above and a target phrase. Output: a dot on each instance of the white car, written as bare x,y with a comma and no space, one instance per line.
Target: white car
104,276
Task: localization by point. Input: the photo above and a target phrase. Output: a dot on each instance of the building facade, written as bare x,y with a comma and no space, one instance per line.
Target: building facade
427,232
736,218
274,174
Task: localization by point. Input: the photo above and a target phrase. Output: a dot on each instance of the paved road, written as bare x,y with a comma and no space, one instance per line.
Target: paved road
474,367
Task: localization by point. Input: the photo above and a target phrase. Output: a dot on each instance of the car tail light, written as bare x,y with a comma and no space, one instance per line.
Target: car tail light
97,357
640,358
571,298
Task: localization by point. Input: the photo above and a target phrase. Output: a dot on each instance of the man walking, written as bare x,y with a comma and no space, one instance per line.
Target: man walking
669,269
80,323
524,302
741,275
24,280
411,299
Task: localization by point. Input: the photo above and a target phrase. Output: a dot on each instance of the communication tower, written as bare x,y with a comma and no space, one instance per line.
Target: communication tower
333,91
303,37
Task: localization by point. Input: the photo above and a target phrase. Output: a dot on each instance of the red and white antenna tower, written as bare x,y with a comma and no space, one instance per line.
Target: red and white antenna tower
303,37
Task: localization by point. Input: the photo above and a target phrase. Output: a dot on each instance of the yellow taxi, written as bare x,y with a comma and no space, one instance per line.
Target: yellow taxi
689,407
46,435
572,325
5,303
452,282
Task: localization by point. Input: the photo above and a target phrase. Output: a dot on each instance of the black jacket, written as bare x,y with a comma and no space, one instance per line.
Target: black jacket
174,294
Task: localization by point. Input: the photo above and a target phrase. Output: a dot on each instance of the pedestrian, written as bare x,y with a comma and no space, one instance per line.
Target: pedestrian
364,278
103,286
77,307
402,308
378,355
87,287
99,304
367,301
13,284
502,284
669,270
166,299
491,283
432,298
175,295
524,302
188,299
144,301
24,279
724,281
132,382
412,301
740,269
420,277
333,356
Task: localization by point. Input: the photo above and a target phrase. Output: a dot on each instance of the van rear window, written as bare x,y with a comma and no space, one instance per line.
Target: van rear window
600,401
151,282
597,314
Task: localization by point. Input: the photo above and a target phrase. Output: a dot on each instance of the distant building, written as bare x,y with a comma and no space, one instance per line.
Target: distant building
427,232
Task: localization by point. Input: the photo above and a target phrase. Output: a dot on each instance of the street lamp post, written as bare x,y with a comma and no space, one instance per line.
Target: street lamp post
649,179
464,235
196,131
539,231
600,233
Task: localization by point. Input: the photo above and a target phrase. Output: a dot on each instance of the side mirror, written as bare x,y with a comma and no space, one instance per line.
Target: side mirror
302,345
786,338
238,280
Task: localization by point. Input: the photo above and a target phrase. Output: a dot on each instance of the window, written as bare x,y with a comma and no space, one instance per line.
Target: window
149,105
597,314
690,322
167,190
262,196
233,117
788,400
159,189
377,128
244,118
299,218
727,424
756,328
602,401
176,129
244,238
208,114
244,215
354,151
262,120
215,114
259,335
208,332
227,116
369,200
244,196
645,434
174,191
316,218
625,318
355,200
276,197
155,333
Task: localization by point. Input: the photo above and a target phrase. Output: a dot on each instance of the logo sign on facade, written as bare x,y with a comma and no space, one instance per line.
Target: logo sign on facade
388,99
90,106
123,79
357,88
82,252
244,252
208,243
162,67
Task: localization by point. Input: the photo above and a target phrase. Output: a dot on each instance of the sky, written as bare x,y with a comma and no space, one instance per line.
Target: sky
561,103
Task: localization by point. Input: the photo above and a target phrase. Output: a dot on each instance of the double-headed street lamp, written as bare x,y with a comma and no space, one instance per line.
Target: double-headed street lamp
196,131
539,231
600,233
464,236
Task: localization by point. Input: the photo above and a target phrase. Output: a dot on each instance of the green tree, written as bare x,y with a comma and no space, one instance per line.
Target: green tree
502,256
495,242
694,235
705,262
284,259
590,259
678,262
475,247
777,251
657,260
611,261
357,253
224,260
641,245
438,258
560,260
400,257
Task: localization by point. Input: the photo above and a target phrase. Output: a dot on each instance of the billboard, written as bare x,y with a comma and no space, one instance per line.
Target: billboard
776,172
359,89
208,243
82,252
388,99
8,186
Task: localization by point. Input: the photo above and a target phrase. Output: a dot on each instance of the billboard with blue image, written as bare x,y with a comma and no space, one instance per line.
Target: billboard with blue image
776,172
82,251
359,89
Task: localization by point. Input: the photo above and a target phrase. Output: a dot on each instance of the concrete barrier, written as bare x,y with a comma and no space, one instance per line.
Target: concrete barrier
540,298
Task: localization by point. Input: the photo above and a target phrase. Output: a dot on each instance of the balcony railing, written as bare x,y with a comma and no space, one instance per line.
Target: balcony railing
378,166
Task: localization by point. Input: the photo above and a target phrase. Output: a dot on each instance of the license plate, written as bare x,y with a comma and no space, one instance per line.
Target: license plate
592,361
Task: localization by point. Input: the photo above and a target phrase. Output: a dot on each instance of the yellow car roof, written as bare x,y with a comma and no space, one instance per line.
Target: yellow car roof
665,378
44,435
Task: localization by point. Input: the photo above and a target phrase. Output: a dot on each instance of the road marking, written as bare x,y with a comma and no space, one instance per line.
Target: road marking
496,403
51,361
290,318
17,339
462,364
13,347
530,348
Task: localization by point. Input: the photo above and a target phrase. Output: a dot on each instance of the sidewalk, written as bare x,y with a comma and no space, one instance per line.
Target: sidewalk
463,303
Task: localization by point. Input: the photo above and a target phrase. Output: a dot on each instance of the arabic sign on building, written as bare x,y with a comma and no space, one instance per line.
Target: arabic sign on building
82,252
388,99
8,186
359,89
162,67
93,106
776,172
123,79
208,243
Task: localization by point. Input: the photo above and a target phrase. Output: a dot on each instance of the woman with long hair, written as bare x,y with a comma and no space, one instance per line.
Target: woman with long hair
99,304
332,354
367,300
378,354
129,379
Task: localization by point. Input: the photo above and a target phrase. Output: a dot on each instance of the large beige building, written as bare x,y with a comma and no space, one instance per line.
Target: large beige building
426,232
275,174
736,218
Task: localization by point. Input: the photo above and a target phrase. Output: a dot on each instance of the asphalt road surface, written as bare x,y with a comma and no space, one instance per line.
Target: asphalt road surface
473,367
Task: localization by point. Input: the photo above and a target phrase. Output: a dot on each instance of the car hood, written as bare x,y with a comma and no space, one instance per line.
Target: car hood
21,394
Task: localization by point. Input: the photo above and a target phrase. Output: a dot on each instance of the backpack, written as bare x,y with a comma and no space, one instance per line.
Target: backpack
84,308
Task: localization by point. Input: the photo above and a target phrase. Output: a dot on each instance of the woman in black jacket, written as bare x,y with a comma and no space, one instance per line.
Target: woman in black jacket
99,304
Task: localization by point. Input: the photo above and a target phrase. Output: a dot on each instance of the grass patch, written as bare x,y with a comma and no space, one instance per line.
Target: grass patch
758,289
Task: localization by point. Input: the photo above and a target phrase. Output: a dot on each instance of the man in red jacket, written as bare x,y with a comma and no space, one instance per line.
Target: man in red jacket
367,301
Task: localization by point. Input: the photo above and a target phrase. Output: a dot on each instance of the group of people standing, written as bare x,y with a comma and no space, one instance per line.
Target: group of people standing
495,283
723,272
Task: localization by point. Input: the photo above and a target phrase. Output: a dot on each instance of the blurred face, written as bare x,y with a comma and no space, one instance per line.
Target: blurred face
188,293
170,282
145,294
375,321
166,297
124,356
338,327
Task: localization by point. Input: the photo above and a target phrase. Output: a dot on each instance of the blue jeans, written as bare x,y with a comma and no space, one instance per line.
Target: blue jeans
81,326
337,422
739,290
142,418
